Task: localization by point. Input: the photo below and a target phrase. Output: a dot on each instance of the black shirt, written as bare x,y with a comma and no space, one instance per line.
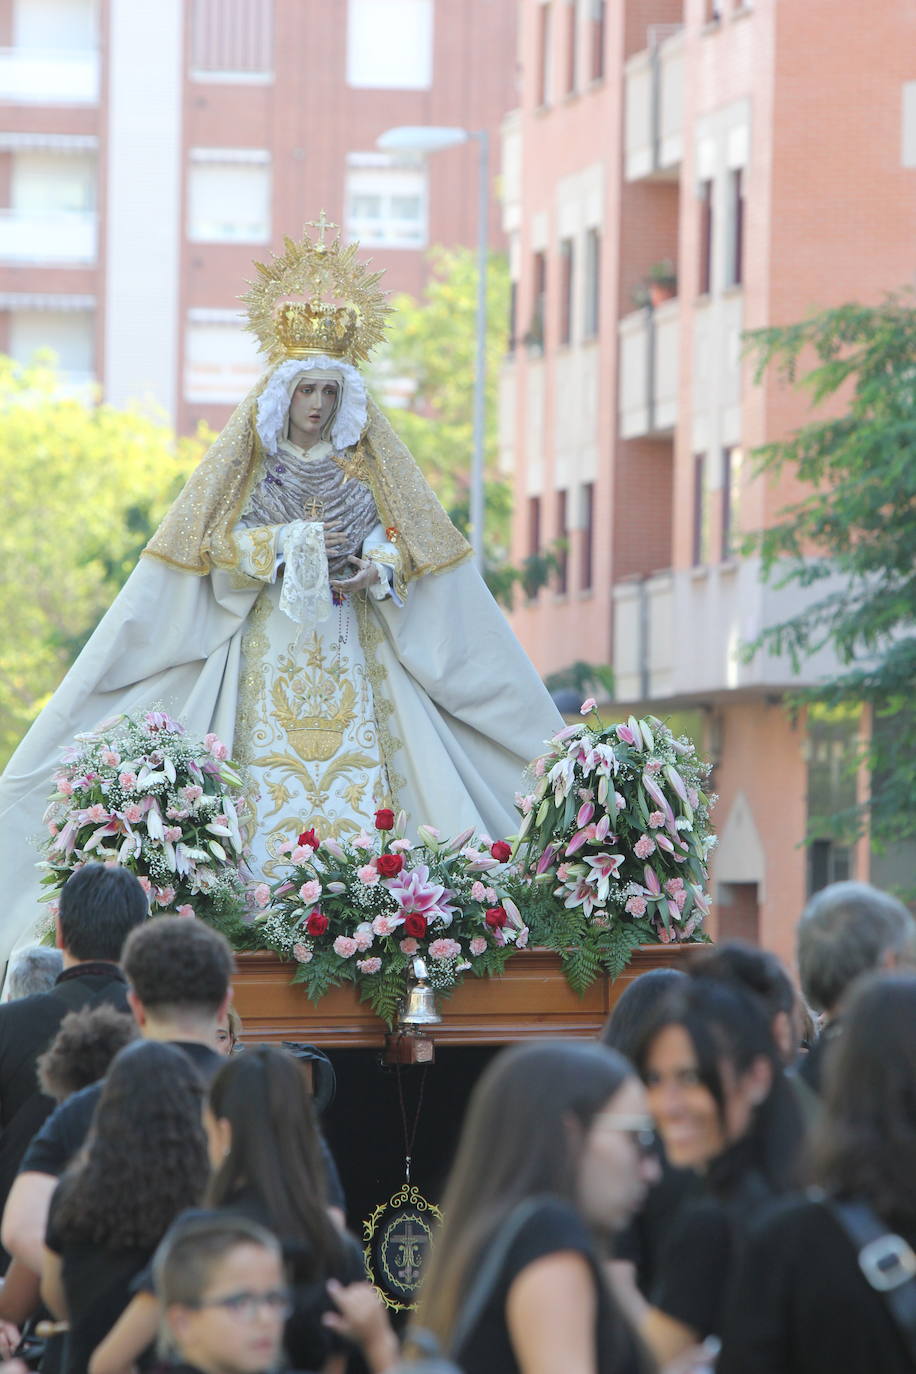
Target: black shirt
27,1027
802,1305
553,1228
696,1266
65,1131
97,1283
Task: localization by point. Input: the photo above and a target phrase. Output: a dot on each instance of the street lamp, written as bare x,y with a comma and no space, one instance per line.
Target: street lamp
429,138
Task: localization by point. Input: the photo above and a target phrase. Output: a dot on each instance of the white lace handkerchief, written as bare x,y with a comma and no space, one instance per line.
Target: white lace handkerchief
306,593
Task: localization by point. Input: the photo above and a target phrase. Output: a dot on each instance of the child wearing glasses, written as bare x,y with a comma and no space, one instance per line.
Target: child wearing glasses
222,1290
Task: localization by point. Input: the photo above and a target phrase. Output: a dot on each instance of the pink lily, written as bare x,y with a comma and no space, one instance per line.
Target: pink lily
604,867
585,813
545,860
651,881
663,842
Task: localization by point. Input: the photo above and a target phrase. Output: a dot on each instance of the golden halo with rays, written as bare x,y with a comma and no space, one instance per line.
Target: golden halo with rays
316,271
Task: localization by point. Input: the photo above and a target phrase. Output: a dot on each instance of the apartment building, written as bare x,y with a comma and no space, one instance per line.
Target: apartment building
678,172
149,152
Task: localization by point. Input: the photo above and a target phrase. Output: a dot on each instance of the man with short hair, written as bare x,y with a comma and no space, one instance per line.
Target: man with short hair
32,969
846,930
99,907
178,972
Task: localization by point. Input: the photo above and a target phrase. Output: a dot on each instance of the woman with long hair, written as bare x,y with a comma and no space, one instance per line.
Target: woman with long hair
724,1110
144,1162
803,1302
564,1127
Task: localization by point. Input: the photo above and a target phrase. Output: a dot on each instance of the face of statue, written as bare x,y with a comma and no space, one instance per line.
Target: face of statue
312,405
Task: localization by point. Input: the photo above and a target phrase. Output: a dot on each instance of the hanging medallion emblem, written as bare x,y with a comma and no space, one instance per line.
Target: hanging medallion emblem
398,1236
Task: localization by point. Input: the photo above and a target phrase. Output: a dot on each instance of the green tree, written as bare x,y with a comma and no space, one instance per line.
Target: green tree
432,345
852,537
84,487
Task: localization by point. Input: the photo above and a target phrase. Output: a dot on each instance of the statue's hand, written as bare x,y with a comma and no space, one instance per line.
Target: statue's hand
366,574
334,539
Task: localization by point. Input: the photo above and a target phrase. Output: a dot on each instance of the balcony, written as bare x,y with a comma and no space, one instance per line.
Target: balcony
678,635
44,76
649,349
62,239
654,106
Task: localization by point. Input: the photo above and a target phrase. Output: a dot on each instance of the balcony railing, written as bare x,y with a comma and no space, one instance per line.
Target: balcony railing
649,348
654,105
679,635
65,238
41,76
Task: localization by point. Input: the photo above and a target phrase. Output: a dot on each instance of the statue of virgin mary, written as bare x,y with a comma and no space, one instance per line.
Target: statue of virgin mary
307,599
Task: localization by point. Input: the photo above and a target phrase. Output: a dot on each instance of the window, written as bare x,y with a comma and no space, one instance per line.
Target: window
232,36
586,548
570,83
62,25
562,539
597,37
390,44
700,512
706,236
567,274
228,201
513,316
545,56
534,525
536,330
736,227
47,183
831,791
592,275
731,500
67,333
221,359
386,206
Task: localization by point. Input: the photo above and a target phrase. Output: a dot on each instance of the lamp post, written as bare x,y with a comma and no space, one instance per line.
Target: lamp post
423,138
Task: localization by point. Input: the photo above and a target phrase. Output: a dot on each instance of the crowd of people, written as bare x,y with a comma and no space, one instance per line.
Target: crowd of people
724,1181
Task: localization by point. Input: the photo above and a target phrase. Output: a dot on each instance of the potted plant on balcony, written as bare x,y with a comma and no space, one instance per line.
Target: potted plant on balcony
661,283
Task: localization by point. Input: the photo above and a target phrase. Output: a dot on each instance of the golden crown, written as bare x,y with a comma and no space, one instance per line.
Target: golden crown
339,310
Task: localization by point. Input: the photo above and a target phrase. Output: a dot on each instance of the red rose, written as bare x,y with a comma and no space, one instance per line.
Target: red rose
415,925
389,865
496,917
501,851
317,923
310,838
384,819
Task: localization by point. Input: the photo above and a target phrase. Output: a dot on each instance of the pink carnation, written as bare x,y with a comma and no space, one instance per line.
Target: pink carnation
478,945
444,949
146,885
111,758
215,746
186,910
165,896
644,846
400,846
363,841
261,895
408,946
363,939
654,766
174,813
369,965
65,786
286,847
636,906
127,780
674,885
302,954
97,813
385,925
368,875
344,947
656,818
301,853
173,833
192,793
478,892
310,892
134,813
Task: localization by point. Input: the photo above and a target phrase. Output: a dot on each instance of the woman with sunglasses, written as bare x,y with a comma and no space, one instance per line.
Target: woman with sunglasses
556,1154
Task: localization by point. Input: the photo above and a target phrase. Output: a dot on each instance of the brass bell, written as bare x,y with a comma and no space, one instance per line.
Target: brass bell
419,1006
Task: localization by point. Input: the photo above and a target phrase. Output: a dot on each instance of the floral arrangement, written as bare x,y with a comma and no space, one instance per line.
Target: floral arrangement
362,910
615,838
146,794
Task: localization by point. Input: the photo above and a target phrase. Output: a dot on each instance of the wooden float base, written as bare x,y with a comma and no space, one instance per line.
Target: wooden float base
530,999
